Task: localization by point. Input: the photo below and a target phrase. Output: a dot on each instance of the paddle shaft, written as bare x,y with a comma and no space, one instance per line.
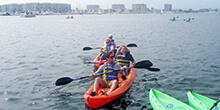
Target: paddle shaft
146,64
67,80
81,78
129,45
148,68
215,104
92,62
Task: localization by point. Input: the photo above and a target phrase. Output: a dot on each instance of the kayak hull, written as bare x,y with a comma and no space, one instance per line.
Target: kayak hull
161,101
98,61
201,102
101,100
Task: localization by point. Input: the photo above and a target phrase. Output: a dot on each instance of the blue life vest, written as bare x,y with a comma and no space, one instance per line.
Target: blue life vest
112,42
122,59
109,73
107,48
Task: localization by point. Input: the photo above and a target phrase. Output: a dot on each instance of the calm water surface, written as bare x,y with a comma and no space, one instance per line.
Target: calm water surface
35,52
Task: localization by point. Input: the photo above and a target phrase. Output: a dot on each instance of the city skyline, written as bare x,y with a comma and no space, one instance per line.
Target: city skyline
159,4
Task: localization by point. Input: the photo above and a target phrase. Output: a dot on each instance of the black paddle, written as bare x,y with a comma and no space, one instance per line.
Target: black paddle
215,104
129,45
89,62
146,64
138,65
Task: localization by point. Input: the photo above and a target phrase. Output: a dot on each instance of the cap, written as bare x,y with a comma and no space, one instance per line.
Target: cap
110,35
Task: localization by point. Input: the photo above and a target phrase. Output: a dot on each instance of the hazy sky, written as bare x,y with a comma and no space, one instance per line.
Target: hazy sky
104,4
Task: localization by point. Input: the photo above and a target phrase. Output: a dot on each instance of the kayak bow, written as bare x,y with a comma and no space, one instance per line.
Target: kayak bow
161,101
101,100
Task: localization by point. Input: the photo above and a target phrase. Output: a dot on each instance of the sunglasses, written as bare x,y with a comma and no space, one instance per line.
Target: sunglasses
106,42
112,57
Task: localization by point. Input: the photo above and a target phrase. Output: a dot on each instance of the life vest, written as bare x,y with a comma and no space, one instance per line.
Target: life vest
121,59
112,42
109,73
107,48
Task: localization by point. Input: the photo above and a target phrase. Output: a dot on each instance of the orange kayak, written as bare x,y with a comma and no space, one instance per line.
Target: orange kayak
100,100
98,61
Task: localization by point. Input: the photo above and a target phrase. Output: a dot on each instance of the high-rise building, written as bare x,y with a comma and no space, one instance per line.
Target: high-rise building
93,7
139,8
167,7
40,7
118,6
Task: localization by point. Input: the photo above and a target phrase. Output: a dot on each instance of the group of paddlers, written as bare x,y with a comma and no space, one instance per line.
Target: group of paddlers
116,62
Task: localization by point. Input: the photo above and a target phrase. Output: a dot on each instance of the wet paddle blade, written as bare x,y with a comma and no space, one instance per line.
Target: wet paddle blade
87,48
63,81
143,64
132,45
153,69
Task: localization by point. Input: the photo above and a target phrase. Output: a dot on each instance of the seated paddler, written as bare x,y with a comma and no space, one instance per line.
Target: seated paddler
124,57
109,74
108,47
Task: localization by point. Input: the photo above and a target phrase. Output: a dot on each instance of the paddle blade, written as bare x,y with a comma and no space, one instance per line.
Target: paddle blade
132,45
153,69
63,81
143,64
87,48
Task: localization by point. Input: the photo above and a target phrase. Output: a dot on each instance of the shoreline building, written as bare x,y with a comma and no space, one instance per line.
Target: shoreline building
36,7
139,8
119,8
167,7
92,9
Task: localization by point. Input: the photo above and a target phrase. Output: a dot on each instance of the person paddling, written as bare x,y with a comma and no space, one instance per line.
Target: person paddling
110,37
123,57
110,76
189,18
108,47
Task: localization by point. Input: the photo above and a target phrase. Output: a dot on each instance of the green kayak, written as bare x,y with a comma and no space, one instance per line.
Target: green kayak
172,20
161,101
201,102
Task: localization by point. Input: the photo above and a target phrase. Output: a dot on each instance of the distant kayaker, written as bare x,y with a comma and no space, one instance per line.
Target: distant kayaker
110,37
189,19
123,57
109,77
107,47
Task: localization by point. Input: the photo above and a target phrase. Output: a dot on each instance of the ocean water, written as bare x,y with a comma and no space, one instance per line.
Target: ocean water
35,52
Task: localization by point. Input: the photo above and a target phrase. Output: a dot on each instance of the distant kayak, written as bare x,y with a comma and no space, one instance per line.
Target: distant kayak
187,20
201,102
69,17
161,101
172,19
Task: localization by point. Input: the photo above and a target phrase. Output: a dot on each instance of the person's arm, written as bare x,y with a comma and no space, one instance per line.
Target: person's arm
101,49
133,62
131,58
98,72
117,67
116,45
